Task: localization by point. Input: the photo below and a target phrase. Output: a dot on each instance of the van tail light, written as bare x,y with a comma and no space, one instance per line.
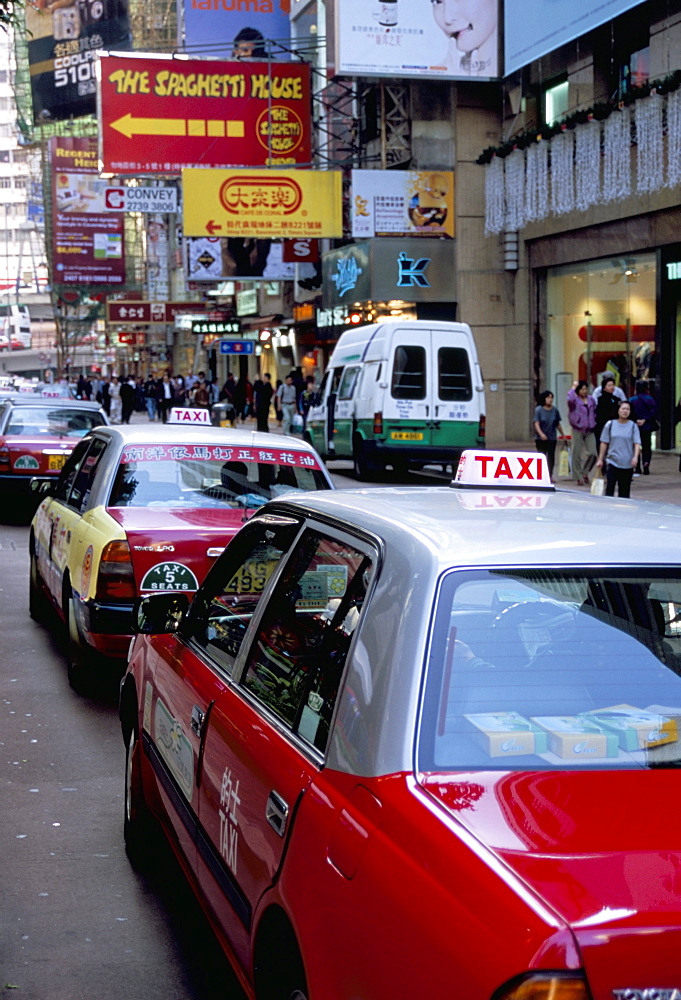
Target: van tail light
545,986
378,423
116,579
4,455
481,427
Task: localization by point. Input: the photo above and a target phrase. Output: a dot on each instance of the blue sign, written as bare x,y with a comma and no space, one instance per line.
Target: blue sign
252,29
237,346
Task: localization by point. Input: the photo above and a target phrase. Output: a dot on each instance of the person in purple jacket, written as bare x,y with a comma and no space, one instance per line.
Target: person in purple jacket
582,417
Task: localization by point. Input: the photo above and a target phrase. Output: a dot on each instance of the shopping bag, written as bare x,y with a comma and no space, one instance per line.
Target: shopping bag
598,484
564,460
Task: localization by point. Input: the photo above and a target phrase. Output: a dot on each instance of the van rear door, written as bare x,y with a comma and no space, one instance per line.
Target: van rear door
454,377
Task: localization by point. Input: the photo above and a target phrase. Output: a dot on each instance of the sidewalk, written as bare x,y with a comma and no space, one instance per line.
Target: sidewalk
663,485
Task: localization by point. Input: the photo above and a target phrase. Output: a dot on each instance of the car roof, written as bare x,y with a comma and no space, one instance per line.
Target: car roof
150,433
445,526
30,399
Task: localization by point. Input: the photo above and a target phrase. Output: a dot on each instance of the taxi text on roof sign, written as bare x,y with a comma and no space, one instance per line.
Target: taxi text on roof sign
186,415
512,470
158,115
262,203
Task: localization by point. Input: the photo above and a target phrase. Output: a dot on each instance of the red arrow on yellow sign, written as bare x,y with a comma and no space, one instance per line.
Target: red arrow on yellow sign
212,128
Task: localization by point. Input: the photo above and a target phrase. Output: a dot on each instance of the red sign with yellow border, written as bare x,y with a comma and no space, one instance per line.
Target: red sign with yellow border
158,114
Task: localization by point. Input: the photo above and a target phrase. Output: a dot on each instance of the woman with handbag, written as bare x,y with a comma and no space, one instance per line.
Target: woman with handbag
644,410
621,445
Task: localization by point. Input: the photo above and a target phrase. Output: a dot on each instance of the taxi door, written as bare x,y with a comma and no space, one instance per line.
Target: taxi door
267,735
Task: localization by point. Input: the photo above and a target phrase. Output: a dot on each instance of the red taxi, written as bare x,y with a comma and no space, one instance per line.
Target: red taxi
424,742
144,509
37,435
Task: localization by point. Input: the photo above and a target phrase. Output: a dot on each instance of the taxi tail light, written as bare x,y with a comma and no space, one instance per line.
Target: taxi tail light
545,986
116,578
4,456
481,427
378,423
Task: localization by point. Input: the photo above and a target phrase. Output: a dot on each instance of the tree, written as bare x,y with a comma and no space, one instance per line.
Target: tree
9,12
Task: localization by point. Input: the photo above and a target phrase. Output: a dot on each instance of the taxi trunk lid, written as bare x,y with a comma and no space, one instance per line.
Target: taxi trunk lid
602,850
36,456
174,552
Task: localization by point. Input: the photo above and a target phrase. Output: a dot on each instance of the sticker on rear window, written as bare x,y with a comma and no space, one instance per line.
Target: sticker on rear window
207,453
170,576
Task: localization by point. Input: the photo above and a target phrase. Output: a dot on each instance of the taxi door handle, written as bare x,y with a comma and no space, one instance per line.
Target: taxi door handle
198,718
276,813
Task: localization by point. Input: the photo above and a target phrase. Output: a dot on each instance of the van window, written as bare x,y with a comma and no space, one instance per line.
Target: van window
348,383
409,373
454,374
336,379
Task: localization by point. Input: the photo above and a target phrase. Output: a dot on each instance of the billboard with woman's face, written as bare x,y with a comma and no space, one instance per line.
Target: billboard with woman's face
448,39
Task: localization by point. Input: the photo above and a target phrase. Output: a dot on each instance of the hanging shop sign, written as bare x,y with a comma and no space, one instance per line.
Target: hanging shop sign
380,270
158,114
215,327
402,203
142,313
63,40
88,242
264,31
259,203
213,259
140,199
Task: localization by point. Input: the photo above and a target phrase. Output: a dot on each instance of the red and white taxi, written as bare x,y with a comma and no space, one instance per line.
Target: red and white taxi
425,742
37,435
143,509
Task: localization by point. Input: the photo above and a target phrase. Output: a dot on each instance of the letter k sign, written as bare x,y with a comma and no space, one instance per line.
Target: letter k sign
411,271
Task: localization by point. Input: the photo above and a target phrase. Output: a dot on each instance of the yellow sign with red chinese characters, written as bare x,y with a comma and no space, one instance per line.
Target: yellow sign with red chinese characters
262,203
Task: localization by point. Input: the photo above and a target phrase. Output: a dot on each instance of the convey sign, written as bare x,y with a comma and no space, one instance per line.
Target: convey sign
140,199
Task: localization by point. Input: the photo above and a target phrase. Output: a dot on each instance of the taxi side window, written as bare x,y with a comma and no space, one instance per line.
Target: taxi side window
82,483
296,662
70,471
220,617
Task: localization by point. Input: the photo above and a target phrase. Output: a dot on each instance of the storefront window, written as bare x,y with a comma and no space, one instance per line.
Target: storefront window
601,318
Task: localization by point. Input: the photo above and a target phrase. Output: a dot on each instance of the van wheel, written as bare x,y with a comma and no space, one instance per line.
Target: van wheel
362,467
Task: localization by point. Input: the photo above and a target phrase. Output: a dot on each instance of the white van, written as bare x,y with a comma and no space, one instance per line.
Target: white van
401,393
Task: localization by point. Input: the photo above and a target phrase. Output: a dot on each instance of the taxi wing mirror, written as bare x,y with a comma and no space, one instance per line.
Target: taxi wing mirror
159,614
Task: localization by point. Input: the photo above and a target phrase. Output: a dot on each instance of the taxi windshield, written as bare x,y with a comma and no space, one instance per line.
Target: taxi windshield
48,421
211,476
549,668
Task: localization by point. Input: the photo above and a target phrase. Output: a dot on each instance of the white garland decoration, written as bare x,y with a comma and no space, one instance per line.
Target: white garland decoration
587,165
514,175
537,181
495,208
562,173
649,144
617,156
674,138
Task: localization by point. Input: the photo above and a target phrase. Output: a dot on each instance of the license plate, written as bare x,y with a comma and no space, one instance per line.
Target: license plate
406,436
56,462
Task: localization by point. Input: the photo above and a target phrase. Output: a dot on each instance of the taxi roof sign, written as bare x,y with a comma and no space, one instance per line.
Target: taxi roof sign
188,415
503,470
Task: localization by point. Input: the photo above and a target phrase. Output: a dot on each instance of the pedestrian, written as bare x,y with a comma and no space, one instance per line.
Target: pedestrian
150,390
582,417
262,397
200,394
239,397
166,397
546,427
607,403
116,402
305,398
104,395
127,399
644,412
227,391
288,398
277,402
620,446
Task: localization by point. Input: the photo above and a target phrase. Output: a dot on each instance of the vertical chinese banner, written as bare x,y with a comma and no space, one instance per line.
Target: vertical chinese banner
88,246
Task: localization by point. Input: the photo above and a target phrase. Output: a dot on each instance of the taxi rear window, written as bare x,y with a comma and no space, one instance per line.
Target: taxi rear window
48,421
211,476
551,668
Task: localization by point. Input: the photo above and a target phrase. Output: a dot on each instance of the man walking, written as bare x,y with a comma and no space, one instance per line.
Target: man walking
288,398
